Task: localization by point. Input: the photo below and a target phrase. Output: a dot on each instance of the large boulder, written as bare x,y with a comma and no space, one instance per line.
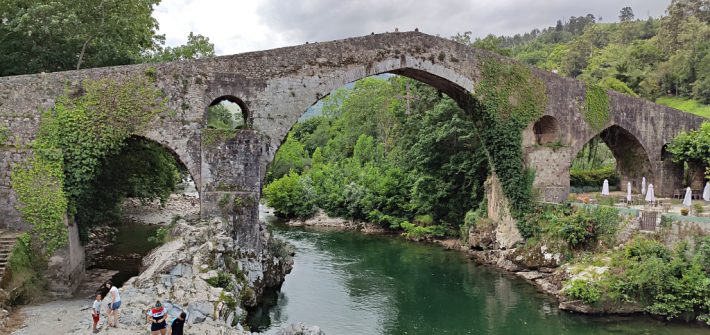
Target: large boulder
203,273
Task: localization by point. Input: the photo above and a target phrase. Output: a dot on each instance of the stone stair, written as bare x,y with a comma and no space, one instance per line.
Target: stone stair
7,242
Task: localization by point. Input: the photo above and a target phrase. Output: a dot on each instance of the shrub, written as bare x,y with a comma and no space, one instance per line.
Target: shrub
642,248
669,283
698,208
25,269
585,225
593,178
607,201
384,220
417,232
223,280
666,222
424,220
162,234
290,196
588,292
577,229
684,211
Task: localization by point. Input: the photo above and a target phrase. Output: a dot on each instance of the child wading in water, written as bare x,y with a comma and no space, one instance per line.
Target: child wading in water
96,311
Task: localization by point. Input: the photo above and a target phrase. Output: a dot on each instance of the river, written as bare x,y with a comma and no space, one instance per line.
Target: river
349,283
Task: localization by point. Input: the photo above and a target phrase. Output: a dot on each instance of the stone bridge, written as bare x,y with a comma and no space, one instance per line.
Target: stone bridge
275,87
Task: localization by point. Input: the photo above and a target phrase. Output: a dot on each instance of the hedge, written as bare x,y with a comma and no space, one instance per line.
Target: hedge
583,178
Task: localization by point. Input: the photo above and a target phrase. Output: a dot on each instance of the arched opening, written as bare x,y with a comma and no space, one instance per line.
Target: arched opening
679,175
546,130
616,155
388,150
139,191
227,112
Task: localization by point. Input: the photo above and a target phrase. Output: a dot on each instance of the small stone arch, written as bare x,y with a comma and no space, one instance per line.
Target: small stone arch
546,130
665,154
242,115
633,161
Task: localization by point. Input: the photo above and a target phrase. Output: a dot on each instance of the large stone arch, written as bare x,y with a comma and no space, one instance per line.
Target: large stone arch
296,100
431,75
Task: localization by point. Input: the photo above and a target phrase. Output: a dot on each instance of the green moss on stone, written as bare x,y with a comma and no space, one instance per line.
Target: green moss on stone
596,107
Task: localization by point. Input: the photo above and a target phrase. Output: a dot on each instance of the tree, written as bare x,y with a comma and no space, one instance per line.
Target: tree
492,43
58,35
693,147
197,46
626,14
679,12
290,157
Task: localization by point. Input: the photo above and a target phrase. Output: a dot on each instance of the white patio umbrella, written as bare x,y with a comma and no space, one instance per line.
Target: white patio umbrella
688,197
605,187
706,192
628,192
643,185
649,195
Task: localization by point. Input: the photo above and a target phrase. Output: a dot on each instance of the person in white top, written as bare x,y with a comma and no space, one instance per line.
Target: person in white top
113,306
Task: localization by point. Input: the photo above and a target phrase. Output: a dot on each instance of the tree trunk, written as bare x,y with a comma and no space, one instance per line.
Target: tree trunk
83,50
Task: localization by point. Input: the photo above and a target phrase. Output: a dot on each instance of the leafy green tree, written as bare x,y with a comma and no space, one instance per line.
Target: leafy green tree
61,35
626,14
291,196
693,147
427,163
291,157
617,85
220,117
197,46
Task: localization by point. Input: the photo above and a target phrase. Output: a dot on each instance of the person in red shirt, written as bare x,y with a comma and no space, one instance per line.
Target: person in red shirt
157,316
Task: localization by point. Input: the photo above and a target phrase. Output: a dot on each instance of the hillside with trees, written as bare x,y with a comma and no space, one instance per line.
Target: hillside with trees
666,60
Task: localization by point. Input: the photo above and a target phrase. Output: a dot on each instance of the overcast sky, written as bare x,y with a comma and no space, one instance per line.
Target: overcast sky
249,25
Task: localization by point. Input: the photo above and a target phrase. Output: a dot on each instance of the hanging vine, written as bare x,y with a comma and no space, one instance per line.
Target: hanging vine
71,143
596,107
510,98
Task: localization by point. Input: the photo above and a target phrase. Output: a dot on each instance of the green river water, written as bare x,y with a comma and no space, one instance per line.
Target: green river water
349,283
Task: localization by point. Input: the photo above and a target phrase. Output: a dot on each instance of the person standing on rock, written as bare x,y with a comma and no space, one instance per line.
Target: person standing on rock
113,306
176,328
96,311
157,316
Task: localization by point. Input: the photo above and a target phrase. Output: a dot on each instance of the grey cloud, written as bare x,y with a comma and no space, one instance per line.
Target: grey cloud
322,20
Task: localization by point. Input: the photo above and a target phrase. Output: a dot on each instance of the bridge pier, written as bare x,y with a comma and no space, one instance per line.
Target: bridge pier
231,180
669,177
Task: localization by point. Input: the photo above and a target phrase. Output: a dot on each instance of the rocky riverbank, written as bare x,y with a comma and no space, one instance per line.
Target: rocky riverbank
323,220
199,271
